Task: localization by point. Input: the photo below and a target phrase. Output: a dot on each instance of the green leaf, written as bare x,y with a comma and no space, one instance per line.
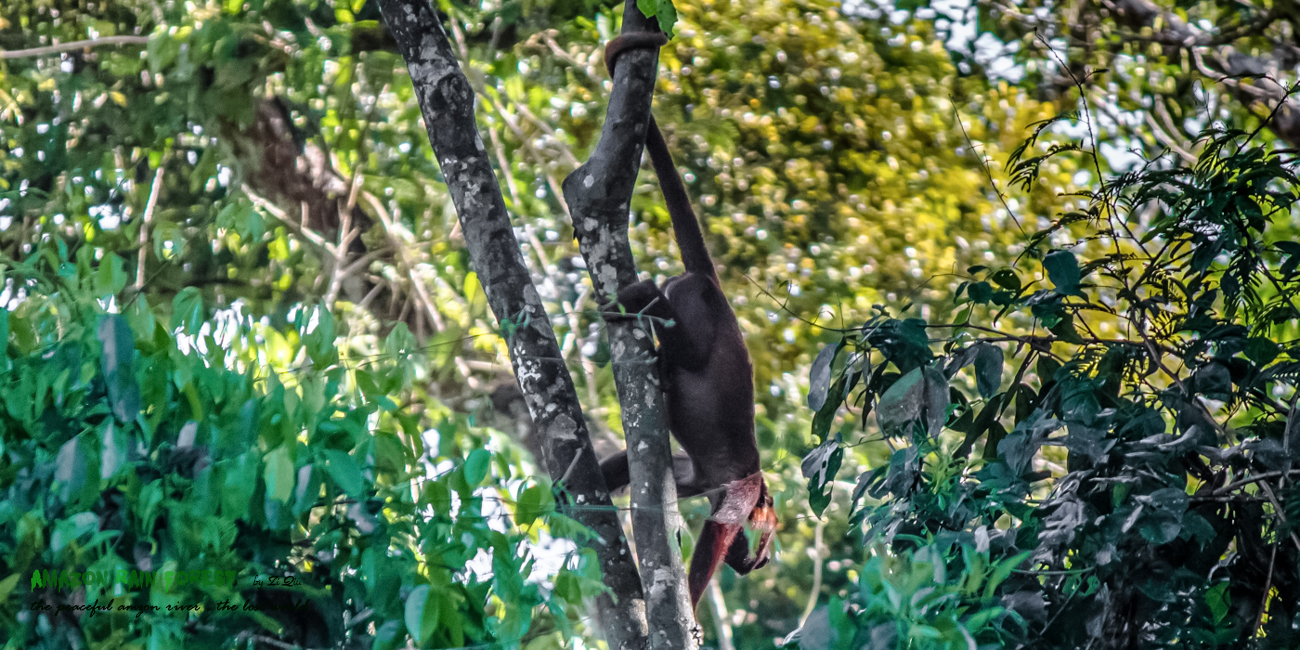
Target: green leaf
1219,601
4,332
1007,279
72,469
1261,350
902,403
117,360
421,614
320,342
821,424
648,7
988,369
7,587
568,586
114,449
476,466
307,491
389,636
187,310
923,392
820,467
980,293
437,495
819,377
667,15
1003,570
1063,270
534,502
241,480
936,399
278,474
73,528
110,276
345,472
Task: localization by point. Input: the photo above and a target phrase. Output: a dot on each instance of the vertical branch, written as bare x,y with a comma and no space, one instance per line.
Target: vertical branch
447,104
816,554
719,604
154,190
599,195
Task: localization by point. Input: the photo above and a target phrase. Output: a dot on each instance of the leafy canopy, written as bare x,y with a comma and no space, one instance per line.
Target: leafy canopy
1131,463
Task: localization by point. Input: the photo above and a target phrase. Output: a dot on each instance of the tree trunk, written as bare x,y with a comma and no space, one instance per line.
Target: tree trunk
447,104
599,194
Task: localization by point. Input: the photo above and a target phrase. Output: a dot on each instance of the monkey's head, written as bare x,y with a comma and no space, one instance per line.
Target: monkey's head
763,519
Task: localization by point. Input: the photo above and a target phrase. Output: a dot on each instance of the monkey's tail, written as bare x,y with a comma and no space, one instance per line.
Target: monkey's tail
714,541
686,226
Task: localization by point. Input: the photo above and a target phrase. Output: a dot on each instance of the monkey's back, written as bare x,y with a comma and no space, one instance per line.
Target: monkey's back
711,408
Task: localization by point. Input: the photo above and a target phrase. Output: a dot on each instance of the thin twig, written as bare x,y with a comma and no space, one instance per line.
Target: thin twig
1281,516
1247,481
310,236
74,45
421,291
720,616
1268,586
984,164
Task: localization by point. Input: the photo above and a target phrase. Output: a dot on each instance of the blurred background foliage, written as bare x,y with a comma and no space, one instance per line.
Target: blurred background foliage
259,158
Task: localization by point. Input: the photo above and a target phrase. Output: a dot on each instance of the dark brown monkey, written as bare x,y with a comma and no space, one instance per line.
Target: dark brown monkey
708,380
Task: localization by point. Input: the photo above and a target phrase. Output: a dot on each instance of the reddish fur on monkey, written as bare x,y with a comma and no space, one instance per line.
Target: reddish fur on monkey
708,380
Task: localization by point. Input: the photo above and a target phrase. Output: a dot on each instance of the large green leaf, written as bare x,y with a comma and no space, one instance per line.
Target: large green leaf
1063,270
279,474
422,610
344,471
118,363
819,376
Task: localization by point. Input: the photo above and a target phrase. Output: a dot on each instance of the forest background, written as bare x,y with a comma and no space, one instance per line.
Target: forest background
222,223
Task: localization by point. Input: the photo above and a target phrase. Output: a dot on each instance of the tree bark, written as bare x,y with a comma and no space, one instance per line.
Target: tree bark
599,194
447,104
1251,79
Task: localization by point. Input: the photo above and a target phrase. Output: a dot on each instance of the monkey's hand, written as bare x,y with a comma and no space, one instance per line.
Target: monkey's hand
639,300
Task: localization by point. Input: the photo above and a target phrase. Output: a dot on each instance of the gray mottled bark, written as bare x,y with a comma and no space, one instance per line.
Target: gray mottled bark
599,194
447,103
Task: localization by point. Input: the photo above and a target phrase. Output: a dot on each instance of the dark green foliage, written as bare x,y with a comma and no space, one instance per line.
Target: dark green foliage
126,445
1139,486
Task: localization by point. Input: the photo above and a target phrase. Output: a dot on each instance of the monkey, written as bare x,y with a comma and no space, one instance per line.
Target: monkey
707,376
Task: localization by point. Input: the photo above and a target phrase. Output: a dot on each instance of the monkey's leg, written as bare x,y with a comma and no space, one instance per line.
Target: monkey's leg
615,471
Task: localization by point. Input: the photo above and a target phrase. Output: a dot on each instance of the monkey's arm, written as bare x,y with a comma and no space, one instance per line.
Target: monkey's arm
686,322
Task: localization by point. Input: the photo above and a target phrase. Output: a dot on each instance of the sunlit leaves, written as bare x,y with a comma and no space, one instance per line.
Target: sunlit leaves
279,475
